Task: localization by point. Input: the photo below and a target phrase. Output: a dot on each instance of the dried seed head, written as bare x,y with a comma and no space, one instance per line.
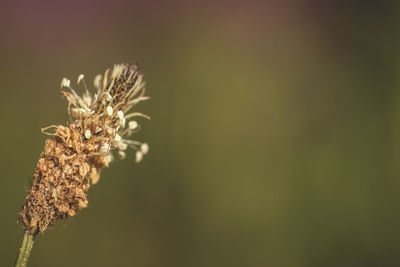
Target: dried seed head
72,161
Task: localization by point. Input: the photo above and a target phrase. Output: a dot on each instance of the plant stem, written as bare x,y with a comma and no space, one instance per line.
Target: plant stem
25,250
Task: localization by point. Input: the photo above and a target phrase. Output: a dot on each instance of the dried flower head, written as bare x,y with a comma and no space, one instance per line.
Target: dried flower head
74,158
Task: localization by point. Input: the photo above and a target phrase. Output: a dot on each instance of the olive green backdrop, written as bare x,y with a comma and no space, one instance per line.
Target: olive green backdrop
274,139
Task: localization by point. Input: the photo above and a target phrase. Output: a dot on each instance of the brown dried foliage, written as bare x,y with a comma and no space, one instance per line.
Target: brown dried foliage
67,167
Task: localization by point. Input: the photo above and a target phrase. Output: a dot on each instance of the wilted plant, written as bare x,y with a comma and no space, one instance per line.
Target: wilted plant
73,159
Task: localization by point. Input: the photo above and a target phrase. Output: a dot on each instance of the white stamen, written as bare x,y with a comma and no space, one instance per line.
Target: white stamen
122,119
65,82
88,134
117,70
122,123
122,154
144,148
122,145
105,148
109,111
97,80
87,100
107,97
80,78
139,156
120,114
98,130
107,160
111,131
133,125
75,112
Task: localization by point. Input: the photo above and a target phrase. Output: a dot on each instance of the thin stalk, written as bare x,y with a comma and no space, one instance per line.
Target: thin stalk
25,250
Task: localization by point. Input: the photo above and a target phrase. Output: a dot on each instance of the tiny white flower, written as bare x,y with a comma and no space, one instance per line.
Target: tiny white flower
133,125
105,148
65,82
80,78
144,148
97,81
117,138
122,154
109,111
88,134
139,156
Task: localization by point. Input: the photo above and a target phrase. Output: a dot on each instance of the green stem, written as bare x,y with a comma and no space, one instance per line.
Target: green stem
25,250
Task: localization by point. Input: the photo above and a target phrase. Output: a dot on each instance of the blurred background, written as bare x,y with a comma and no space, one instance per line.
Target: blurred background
274,139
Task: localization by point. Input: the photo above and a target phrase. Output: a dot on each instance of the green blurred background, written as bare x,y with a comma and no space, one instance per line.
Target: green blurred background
274,139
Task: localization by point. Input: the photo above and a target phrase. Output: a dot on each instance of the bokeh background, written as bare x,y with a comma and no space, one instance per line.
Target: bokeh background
274,139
